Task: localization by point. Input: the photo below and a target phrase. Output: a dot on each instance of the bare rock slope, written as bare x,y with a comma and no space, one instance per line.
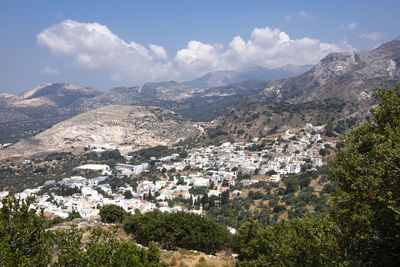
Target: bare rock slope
136,126
349,75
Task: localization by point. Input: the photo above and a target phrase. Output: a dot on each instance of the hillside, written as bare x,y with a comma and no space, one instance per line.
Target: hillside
195,104
33,111
261,119
337,91
349,75
137,127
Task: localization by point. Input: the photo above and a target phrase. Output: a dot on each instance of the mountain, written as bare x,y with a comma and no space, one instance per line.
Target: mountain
33,111
59,94
146,94
336,92
195,104
349,75
222,78
135,126
262,119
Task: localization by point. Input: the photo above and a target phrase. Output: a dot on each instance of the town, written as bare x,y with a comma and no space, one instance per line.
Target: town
222,165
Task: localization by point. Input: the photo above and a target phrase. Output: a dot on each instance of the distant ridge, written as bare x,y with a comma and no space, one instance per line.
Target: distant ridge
222,78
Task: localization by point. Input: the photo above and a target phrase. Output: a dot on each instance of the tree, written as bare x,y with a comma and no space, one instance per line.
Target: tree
23,239
128,194
309,241
225,198
173,230
112,213
367,201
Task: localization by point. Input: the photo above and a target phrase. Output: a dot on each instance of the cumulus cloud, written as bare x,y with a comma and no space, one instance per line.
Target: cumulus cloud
349,27
94,46
270,48
372,36
50,71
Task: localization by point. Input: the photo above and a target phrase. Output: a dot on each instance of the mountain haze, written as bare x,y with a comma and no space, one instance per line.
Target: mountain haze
222,78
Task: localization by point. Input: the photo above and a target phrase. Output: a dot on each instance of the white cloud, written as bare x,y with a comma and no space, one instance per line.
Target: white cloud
94,46
373,36
50,71
304,15
270,48
349,27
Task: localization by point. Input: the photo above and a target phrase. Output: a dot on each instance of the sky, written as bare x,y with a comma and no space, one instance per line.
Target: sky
106,44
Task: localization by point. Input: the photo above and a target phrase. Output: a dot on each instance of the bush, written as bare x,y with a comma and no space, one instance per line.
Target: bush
178,230
112,213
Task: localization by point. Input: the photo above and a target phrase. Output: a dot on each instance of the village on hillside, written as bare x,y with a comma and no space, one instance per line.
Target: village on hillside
223,166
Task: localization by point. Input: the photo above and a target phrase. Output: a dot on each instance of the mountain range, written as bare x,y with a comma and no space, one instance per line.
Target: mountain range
222,78
346,79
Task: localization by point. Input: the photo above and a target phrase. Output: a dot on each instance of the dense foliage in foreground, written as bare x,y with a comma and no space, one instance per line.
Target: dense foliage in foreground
308,241
363,227
24,242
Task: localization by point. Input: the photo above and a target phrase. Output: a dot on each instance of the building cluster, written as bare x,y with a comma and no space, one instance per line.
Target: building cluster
220,166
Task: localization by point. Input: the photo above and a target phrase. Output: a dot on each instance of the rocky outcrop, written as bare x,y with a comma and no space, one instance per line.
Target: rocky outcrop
351,76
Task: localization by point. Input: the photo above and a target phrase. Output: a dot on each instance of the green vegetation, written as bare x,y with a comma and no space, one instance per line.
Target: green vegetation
173,230
363,227
24,242
367,206
144,155
23,239
309,241
112,213
267,202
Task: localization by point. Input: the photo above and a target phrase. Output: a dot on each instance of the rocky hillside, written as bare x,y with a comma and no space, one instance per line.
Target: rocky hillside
35,110
135,126
350,75
337,91
262,119
62,97
58,94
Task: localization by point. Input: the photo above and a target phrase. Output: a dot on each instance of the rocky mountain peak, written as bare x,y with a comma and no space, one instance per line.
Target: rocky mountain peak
347,75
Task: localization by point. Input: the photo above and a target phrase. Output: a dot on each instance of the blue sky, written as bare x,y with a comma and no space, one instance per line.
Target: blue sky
104,44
